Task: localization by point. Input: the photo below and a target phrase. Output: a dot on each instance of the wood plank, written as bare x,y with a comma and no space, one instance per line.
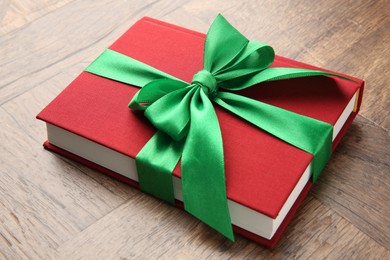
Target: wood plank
16,14
44,199
44,50
356,181
156,230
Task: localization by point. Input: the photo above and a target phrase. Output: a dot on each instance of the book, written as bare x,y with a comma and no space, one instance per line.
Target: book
266,178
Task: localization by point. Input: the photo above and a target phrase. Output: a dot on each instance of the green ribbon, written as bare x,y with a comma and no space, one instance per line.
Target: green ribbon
188,127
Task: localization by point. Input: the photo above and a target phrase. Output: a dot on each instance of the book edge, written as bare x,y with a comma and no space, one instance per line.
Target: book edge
261,240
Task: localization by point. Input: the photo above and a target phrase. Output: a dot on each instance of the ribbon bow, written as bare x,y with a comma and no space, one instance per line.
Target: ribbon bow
188,127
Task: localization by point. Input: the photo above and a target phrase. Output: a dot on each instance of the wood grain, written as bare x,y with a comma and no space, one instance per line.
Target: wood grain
357,190
16,14
316,228
54,208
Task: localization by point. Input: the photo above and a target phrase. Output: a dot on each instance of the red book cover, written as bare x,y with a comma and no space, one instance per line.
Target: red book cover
261,170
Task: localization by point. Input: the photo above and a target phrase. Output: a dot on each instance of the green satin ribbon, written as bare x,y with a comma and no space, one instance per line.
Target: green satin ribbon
188,127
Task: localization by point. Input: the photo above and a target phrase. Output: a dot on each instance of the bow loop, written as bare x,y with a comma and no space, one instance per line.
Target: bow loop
173,120
222,44
253,59
230,55
153,91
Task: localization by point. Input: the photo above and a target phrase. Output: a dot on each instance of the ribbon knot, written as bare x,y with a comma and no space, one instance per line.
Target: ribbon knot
206,81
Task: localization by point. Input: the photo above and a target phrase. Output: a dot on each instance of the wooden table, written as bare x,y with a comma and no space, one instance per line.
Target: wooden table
51,207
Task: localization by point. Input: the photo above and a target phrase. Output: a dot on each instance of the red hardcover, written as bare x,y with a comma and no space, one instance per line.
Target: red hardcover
261,170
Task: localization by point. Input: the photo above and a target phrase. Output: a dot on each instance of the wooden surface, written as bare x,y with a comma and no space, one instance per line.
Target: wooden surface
53,208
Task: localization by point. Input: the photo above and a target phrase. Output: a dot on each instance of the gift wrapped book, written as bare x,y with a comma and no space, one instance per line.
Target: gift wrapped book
217,124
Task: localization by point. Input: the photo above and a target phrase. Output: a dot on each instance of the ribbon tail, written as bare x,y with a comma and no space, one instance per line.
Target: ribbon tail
155,163
114,65
271,74
203,174
303,132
